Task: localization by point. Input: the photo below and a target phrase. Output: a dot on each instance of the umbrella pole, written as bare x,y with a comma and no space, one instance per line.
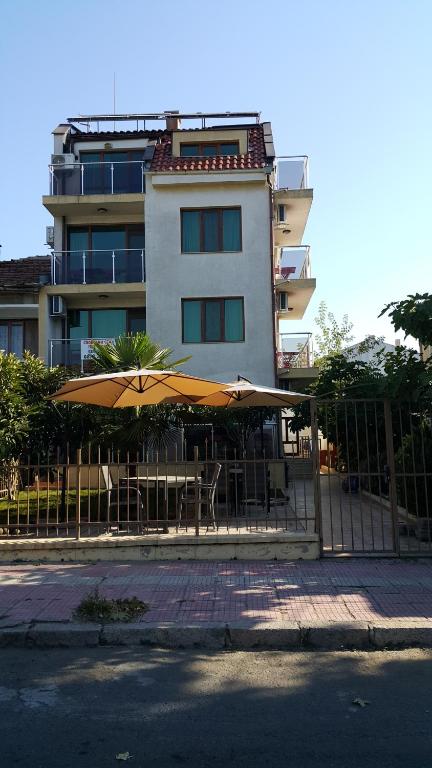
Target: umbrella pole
197,500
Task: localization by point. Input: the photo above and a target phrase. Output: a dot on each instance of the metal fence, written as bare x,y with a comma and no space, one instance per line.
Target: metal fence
375,478
96,492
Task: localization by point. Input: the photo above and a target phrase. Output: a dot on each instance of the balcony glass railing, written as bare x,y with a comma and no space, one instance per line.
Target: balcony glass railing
295,350
72,353
292,172
98,266
101,178
294,263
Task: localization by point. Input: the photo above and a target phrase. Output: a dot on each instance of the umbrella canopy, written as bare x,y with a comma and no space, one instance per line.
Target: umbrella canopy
138,387
243,394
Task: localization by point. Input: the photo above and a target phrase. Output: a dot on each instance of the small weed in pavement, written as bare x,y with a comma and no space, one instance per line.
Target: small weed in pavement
97,608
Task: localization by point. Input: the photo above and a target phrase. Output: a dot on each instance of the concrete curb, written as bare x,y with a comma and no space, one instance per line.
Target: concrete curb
271,635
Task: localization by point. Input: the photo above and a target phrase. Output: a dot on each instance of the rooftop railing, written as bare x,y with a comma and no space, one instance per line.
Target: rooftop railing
295,350
292,172
101,178
89,267
294,263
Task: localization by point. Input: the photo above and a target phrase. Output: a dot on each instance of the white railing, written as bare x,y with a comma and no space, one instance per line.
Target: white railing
294,263
295,350
292,172
101,178
119,265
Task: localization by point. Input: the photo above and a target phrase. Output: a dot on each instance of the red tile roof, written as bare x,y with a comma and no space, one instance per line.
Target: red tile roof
18,273
254,158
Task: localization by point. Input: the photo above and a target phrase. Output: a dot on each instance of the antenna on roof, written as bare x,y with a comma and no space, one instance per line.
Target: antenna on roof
114,98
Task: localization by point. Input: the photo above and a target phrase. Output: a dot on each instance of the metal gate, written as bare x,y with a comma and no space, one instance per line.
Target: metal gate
372,477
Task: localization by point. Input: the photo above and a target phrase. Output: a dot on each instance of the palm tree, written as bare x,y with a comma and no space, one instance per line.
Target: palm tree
135,350
151,426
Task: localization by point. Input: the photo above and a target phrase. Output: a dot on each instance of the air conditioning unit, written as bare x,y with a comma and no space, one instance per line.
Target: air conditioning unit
63,161
283,301
49,237
58,306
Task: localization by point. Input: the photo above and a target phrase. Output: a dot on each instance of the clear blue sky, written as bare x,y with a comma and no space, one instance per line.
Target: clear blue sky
347,82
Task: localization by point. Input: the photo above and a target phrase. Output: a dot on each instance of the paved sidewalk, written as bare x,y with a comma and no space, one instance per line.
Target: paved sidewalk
298,596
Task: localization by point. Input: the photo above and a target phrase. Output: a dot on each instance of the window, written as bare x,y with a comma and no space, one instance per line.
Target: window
98,244
210,149
207,320
18,335
112,172
206,230
105,323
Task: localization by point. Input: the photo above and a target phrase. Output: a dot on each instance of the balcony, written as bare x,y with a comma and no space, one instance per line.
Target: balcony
72,353
295,356
292,199
94,267
293,282
115,186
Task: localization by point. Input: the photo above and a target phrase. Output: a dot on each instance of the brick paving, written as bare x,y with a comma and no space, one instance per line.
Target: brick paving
208,593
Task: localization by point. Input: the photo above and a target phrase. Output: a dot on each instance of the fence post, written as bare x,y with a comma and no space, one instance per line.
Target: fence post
78,494
316,466
197,500
391,473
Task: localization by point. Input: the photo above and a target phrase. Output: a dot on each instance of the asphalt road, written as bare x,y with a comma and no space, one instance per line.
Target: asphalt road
75,708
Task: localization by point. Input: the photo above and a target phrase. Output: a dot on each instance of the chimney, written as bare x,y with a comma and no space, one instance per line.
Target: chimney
397,342
172,122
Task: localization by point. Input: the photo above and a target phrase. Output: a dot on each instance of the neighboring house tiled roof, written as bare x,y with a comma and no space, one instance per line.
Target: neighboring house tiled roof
254,158
18,273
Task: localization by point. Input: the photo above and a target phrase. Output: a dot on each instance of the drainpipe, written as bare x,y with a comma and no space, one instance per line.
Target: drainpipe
272,283
273,293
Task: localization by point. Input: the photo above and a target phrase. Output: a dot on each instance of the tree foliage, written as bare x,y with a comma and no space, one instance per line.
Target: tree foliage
412,315
334,335
131,352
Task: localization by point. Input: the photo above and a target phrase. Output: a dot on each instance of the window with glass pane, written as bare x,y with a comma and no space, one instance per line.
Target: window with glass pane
108,323
212,321
209,150
231,229
73,264
4,337
234,321
208,230
210,221
104,242
229,149
136,320
191,320
78,324
191,241
189,150
17,339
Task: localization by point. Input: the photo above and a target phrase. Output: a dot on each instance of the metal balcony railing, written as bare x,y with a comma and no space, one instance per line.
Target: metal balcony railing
98,266
292,172
294,263
72,353
295,350
101,178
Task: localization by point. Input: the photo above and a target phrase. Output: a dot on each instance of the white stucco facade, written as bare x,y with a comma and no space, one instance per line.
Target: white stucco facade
172,275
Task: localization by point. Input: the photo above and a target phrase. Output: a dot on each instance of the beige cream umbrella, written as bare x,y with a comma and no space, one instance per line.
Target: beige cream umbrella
243,394
137,387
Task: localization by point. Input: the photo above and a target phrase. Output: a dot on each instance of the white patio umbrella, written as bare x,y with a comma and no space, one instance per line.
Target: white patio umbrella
137,387
244,394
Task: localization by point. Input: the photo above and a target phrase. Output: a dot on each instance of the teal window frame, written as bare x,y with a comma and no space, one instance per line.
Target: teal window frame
204,311
211,228
205,149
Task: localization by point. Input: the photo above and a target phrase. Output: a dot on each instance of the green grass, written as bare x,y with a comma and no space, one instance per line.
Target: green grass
27,503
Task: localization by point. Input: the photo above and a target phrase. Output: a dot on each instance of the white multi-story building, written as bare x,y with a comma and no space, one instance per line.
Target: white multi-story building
192,233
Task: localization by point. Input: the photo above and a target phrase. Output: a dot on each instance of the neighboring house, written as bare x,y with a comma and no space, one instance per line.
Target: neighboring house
20,283
366,351
193,234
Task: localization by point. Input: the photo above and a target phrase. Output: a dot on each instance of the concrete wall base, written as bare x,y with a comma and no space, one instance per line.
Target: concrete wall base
247,546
